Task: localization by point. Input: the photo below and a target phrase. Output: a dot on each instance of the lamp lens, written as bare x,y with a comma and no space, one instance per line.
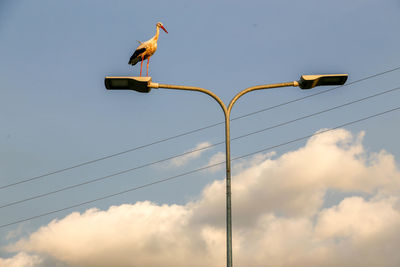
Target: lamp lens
119,83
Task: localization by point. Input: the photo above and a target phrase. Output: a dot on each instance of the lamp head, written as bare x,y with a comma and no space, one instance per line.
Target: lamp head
311,81
139,84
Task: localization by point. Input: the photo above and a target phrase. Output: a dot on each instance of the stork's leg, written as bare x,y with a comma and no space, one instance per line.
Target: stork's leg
141,65
147,74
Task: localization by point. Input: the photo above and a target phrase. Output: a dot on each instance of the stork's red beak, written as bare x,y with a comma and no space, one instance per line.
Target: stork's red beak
162,27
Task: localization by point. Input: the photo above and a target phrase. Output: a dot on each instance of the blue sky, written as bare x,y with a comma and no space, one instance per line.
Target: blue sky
55,111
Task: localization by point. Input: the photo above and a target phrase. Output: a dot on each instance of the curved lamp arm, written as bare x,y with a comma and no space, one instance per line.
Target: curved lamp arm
227,110
259,87
191,88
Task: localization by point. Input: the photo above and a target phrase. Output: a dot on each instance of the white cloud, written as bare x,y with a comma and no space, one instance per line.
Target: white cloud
216,159
197,151
143,234
21,259
279,217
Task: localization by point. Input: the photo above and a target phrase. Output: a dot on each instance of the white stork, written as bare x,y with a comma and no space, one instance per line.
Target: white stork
146,49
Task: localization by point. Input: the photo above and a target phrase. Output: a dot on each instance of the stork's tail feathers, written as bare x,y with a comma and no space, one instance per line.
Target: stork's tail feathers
135,58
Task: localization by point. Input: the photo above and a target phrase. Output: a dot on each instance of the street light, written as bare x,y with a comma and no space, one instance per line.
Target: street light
144,85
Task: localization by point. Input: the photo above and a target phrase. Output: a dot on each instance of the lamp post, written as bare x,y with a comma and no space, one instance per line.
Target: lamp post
144,85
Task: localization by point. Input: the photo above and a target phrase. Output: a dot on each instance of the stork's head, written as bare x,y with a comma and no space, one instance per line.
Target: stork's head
160,25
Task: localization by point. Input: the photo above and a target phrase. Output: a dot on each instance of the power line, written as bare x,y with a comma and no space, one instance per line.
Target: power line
321,132
199,169
319,112
196,150
189,132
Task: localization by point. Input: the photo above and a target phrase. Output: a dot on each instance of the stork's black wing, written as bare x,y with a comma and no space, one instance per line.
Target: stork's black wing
135,58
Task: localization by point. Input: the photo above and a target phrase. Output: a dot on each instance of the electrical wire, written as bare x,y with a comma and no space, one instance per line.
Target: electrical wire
196,150
197,170
189,132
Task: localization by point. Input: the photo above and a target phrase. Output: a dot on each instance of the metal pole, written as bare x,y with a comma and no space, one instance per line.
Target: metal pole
229,260
227,112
